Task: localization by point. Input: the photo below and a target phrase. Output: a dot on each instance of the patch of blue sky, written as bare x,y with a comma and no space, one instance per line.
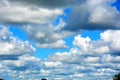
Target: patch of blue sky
117,5
94,35
64,16
18,33
44,53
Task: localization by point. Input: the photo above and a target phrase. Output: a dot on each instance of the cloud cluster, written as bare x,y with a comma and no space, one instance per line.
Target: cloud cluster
39,19
47,37
85,14
94,15
87,60
100,58
18,14
14,53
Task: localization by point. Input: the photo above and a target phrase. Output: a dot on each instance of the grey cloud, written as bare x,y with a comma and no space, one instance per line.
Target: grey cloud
13,13
48,3
93,15
46,36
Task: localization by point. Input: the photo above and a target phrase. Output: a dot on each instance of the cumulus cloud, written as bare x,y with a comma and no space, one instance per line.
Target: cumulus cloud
47,37
94,15
18,14
87,60
98,58
13,52
85,14
11,45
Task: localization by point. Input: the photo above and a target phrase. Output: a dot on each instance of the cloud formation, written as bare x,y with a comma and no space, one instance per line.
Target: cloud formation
13,50
87,60
85,15
46,36
99,57
19,14
92,15
11,45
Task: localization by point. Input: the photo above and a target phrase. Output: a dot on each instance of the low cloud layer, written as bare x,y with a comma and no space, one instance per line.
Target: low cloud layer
86,60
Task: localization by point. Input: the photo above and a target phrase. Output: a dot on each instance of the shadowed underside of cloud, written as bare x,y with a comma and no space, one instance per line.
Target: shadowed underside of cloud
94,15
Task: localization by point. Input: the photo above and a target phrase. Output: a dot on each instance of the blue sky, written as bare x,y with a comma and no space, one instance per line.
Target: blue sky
44,38
43,53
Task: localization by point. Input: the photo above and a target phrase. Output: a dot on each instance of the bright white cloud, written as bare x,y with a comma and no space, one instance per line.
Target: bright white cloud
99,58
14,47
103,13
112,37
82,43
11,45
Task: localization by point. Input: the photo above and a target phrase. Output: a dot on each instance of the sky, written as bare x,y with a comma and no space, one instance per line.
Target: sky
59,39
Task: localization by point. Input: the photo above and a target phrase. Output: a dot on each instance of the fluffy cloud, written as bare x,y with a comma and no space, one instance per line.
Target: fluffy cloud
78,63
85,14
39,18
13,52
87,60
94,15
91,58
18,14
90,14
12,46
47,37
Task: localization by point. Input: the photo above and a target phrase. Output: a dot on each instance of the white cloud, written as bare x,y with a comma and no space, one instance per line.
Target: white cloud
12,13
87,60
103,13
98,58
82,43
112,37
12,46
75,64
108,43
53,64
110,58
46,36
92,15
4,32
